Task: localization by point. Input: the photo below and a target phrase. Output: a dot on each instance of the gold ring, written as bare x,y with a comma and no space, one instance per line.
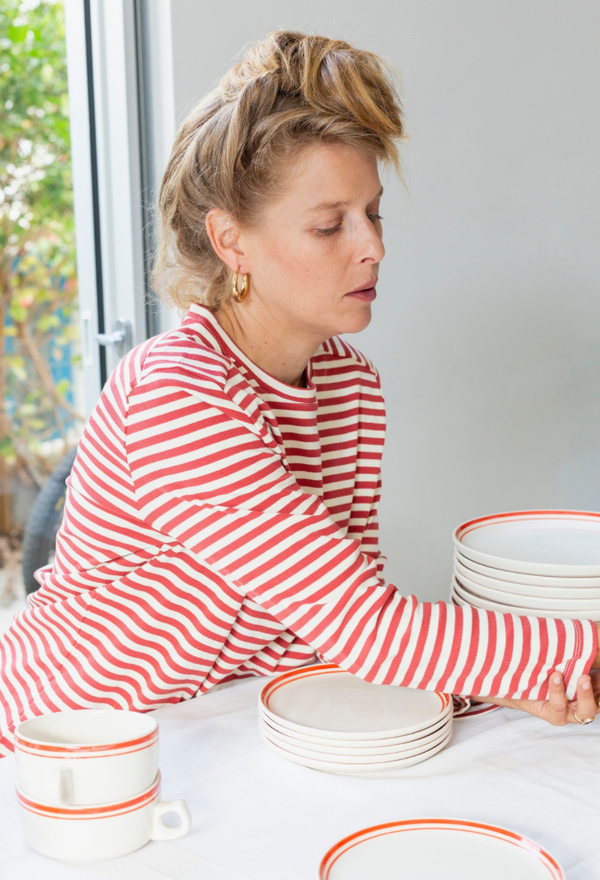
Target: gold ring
583,720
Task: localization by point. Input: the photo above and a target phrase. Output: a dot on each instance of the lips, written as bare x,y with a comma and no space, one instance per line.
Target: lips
370,285
363,295
366,293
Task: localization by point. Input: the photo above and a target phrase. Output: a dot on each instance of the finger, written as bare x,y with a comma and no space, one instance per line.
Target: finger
558,705
585,703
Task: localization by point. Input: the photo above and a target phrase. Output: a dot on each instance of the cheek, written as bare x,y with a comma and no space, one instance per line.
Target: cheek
298,259
278,253
288,259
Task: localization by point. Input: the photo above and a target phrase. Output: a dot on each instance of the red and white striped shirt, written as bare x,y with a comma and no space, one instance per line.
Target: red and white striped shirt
220,523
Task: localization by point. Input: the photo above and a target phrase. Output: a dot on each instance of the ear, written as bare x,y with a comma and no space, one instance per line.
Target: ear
225,238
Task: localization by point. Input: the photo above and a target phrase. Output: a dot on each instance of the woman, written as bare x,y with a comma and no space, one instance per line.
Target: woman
221,514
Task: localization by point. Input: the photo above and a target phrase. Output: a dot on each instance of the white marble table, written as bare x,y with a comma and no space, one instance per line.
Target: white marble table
259,817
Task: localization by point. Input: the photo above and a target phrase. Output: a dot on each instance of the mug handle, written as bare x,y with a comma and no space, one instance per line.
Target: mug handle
160,831
60,780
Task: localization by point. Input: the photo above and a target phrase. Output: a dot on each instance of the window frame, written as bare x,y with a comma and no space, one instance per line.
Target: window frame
103,44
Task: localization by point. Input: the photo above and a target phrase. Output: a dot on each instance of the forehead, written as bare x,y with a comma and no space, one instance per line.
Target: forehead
328,176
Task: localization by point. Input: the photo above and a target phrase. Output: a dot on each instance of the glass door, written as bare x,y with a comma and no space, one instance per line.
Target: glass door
72,283
105,111
41,377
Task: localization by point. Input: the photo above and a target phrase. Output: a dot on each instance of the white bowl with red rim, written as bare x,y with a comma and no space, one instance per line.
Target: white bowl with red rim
86,756
100,831
452,849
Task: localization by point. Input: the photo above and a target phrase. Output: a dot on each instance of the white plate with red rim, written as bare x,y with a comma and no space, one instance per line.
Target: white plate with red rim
563,543
354,746
331,703
564,603
432,849
530,580
366,768
553,589
465,597
406,750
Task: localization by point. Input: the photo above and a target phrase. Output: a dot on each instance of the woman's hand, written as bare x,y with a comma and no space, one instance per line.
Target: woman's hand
557,709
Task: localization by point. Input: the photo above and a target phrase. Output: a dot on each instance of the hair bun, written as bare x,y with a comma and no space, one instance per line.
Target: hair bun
324,74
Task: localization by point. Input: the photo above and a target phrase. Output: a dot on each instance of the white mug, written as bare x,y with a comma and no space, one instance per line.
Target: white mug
101,831
86,756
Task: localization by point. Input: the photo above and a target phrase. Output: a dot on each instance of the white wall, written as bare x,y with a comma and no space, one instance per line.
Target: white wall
487,326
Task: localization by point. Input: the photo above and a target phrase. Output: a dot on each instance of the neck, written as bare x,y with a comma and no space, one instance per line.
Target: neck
274,348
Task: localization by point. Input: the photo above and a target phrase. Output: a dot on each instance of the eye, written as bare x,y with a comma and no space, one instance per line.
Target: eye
374,216
330,230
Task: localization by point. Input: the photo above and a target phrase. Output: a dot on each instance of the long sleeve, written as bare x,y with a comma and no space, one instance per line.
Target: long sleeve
369,543
219,524
214,479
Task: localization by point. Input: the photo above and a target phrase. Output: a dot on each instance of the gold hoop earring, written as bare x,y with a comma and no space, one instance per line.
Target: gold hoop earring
240,294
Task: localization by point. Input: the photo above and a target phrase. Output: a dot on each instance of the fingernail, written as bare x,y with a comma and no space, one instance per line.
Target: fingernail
586,685
557,679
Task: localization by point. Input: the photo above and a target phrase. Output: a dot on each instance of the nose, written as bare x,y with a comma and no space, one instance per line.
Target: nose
369,244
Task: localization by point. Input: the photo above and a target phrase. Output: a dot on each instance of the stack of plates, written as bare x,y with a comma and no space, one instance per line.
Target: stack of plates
544,563
453,849
329,720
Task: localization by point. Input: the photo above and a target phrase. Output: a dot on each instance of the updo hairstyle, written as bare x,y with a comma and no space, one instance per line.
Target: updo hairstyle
290,90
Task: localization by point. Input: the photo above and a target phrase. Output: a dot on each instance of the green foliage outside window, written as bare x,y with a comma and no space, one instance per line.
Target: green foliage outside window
38,283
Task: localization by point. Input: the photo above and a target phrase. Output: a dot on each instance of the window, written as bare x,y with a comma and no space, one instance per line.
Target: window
72,245
40,355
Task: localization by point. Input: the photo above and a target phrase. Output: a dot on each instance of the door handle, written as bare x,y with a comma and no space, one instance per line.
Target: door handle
122,335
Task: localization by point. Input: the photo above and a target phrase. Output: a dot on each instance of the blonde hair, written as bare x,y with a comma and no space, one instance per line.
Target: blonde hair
289,91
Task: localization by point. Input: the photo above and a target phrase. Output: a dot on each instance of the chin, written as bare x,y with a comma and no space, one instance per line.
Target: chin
355,323
340,324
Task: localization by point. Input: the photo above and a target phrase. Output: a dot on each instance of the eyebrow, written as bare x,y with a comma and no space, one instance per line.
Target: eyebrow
325,206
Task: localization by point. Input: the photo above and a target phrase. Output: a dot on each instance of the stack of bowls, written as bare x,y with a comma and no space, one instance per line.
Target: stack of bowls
88,784
327,719
543,563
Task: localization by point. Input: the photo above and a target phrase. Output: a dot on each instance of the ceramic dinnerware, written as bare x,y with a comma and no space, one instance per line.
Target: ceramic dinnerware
357,769
100,831
371,745
452,849
563,543
327,719
327,701
533,602
524,580
86,756
464,597
337,755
